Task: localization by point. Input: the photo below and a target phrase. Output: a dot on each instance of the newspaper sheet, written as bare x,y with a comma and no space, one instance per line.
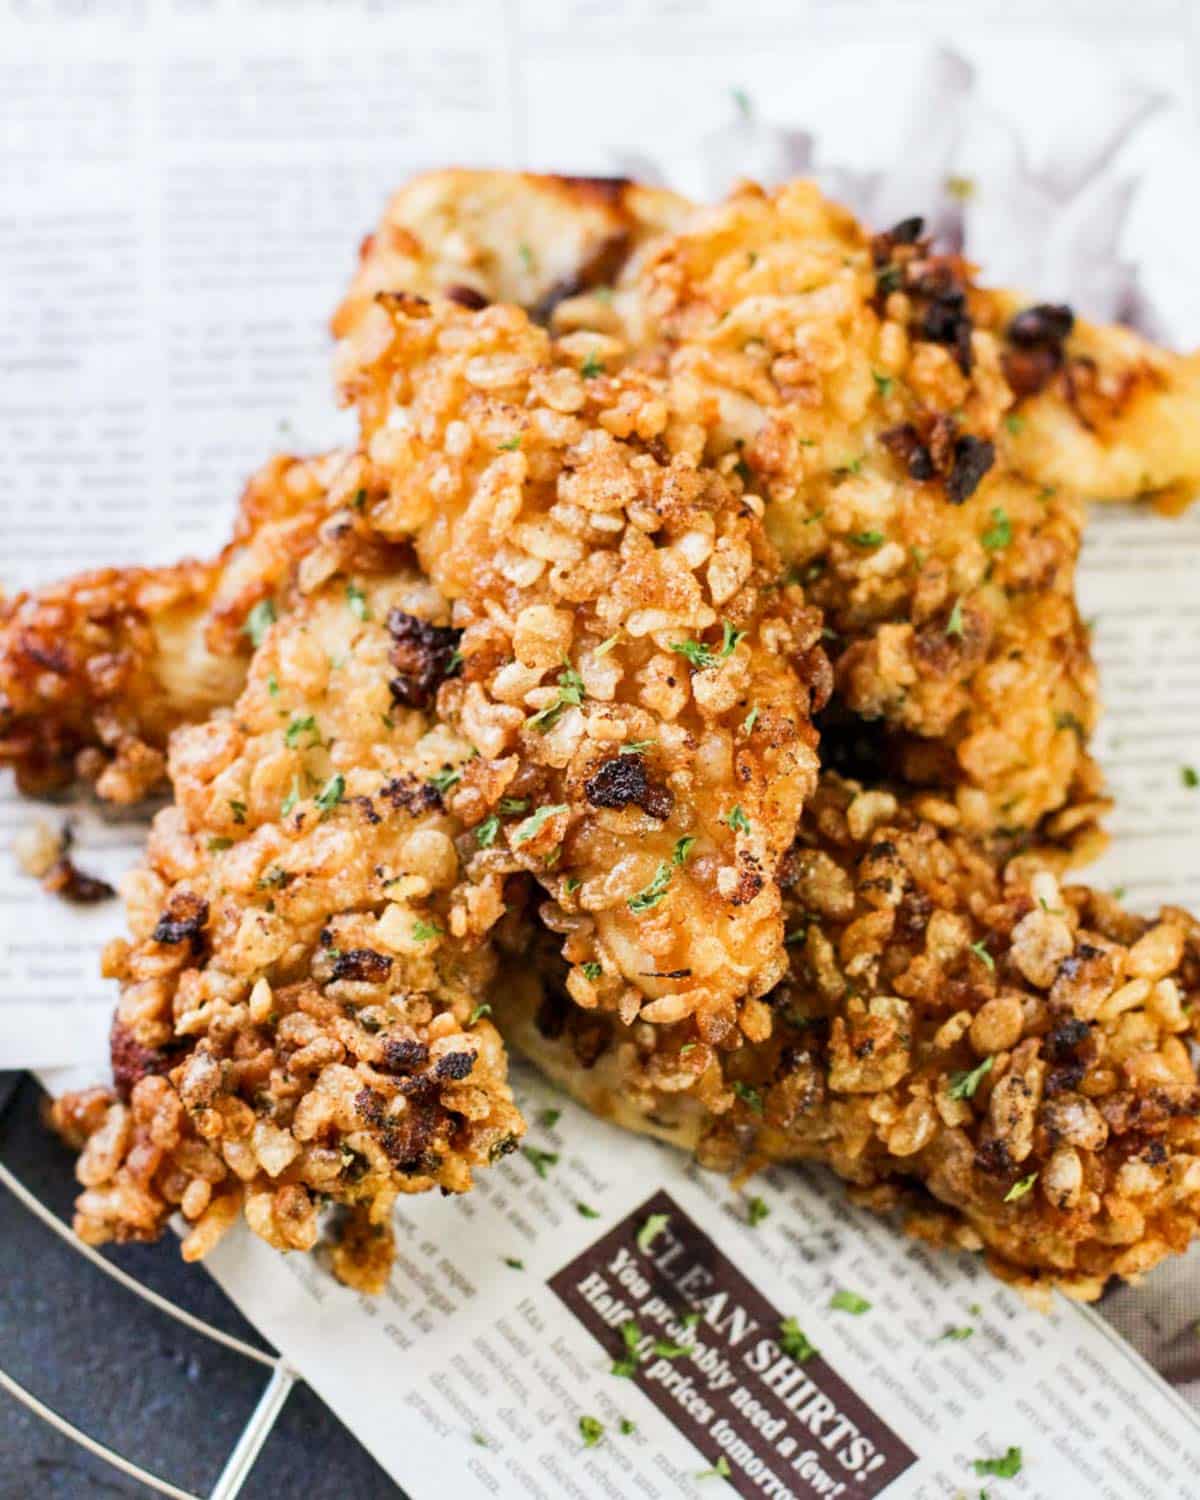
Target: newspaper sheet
185,183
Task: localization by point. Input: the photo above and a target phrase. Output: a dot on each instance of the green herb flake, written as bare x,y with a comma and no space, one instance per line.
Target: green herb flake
1189,776
963,1085
570,695
636,747
719,1470
738,821
513,1263
591,1430
586,1211
360,499
273,685
649,896
750,721
331,794
526,255
1014,424
445,779
793,1341
954,625
703,657
512,445
650,1230
850,1302
478,1013
1007,1467
1021,1188
302,724
549,1118
666,1350
884,384
510,805
534,824
591,367
289,802
999,533
980,951
259,621
356,602
238,809
749,1096
683,847
956,1333
540,1161
868,538
627,1426
756,1212
485,832
215,845
424,932
591,970
606,646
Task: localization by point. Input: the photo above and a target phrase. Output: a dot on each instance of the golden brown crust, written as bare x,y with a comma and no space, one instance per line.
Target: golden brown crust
1003,1059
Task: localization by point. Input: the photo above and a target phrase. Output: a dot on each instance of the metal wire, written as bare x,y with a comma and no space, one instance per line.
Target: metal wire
256,1431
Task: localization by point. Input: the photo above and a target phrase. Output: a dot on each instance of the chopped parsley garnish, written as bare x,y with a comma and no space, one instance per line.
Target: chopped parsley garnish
549,1118
651,1229
606,646
478,1013
1014,423
360,499
512,444
591,1430
963,1085
291,799
703,657
883,383
851,466
631,1335
485,833
275,879
980,951
756,1212
1189,776
957,1333
591,367
649,896
513,1263
683,847
586,1211
514,804
444,780
868,538
215,845
305,724
331,794
750,721
749,1095
738,821
259,621
591,970
572,884
719,1470
1019,1189
526,255
479,1440
999,533
666,1350
570,695
535,822
238,809
851,1302
627,1426
273,685
539,1160
1007,1467
793,1342
423,931
954,625
635,747
356,601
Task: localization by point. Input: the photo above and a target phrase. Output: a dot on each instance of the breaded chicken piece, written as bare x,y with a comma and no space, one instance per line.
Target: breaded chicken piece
484,236
1003,1060
303,998
96,672
635,673
856,385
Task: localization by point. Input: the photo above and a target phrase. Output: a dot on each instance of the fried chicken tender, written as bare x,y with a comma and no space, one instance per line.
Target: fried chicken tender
303,995
1003,1060
96,672
634,674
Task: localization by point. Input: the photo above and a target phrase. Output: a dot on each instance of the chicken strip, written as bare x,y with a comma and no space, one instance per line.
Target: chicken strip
96,672
1003,1060
303,999
635,671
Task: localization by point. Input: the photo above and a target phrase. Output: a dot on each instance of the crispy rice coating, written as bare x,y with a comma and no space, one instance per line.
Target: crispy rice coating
1002,1059
635,673
96,672
303,998
858,386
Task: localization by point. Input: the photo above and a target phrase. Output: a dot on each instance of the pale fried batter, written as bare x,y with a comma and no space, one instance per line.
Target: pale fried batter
1003,1060
96,672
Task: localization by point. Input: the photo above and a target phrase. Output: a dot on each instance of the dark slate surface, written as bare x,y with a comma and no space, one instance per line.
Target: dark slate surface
129,1375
